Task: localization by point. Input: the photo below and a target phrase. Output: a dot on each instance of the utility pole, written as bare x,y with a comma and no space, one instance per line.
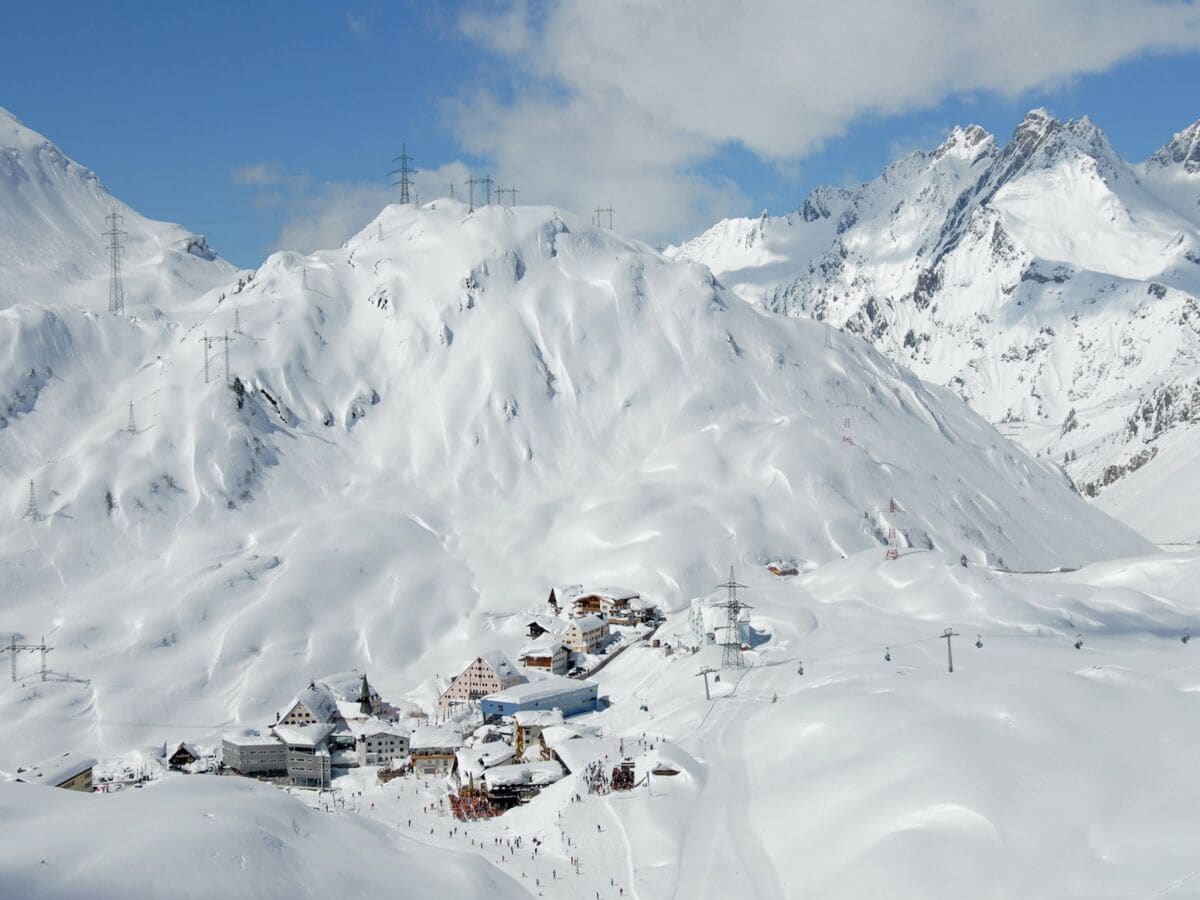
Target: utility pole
512,193
237,313
731,655
405,173
947,634
828,336
601,210
486,181
116,289
471,182
14,648
706,671
131,427
204,340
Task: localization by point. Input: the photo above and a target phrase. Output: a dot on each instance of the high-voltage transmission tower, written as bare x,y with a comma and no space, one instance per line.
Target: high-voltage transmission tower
893,542
32,513
132,426
731,654
116,289
512,195
14,648
405,180
486,181
208,342
471,182
603,210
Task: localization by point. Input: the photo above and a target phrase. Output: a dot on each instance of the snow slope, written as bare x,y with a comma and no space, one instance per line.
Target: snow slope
437,424
1047,282
52,214
200,836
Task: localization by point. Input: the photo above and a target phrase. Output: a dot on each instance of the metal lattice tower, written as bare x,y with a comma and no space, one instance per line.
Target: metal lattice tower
32,512
208,342
486,181
828,336
405,180
848,422
512,194
116,289
893,544
14,648
132,426
731,654
601,210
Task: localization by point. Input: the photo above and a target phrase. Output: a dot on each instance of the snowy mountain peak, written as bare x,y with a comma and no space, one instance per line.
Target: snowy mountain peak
1183,151
969,143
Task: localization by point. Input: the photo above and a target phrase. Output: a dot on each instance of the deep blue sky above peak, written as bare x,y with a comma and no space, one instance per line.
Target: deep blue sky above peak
274,124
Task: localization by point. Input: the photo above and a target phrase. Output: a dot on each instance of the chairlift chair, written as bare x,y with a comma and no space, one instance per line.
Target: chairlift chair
979,640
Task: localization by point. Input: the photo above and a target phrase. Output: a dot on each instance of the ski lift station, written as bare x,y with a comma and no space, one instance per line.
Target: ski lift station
570,696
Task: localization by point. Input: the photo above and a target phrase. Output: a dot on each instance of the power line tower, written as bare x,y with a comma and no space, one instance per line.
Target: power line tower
512,194
828,336
471,182
405,181
602,210
14,647
116,289
32,513
848,422
132,426
893,543
731,654
208,342
486,181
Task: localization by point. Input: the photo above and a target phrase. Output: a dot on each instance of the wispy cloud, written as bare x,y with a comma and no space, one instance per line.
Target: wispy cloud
358,26
260,174
622,103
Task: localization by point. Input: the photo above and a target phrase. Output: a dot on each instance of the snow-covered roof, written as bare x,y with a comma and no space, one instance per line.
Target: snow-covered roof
556,734
588,622
550,624
533,773
57,769
545,647
319,699
347,686
541,689
565,592
478,759
189,748
535,717
576,754
615,593
250,737
303,735
374,725
435,737
505,668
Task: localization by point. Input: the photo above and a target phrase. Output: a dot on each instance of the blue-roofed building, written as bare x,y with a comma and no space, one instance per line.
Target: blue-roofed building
572,697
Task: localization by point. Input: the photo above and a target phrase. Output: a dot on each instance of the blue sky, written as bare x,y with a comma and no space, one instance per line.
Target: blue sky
272,124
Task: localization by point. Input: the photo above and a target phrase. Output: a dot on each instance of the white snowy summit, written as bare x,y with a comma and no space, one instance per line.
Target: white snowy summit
1047,282
52,215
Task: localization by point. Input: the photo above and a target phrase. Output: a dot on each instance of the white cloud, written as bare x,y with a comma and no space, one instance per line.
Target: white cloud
619,102
257,175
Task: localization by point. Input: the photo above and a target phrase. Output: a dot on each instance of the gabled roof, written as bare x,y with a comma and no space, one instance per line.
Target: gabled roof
588,622
190,748
478,759
319,699
545,647
615,593
506,670
434,737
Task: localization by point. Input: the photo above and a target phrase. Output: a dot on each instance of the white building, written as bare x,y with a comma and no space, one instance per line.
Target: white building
546,655
315,705
68,770
708,624
487,674
433,748
585,634
378,743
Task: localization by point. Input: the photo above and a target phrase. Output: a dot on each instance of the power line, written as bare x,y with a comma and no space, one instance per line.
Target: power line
731,653
116,288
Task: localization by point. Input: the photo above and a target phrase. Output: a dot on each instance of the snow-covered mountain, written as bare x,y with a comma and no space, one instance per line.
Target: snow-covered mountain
1046,281
52,215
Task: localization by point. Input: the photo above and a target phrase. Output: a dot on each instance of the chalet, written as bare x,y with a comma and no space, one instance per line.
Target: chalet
315,705
68,770
432,750
620,606
185,755
561,596
487,674
550,655
540,625
585,634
